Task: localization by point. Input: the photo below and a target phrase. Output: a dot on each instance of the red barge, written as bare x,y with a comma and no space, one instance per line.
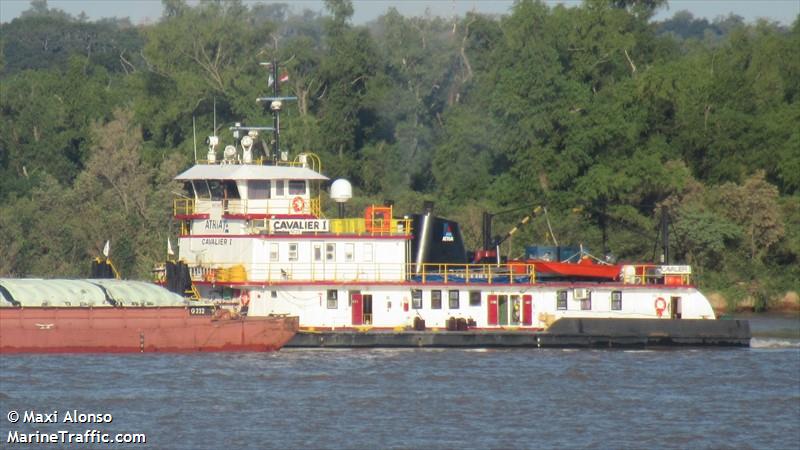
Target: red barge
115,316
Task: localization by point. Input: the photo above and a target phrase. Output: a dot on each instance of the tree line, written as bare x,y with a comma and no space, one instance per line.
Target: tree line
598,112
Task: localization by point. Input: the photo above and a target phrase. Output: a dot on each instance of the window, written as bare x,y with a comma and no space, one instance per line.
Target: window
200,188
561,300
333,299
273,251
293,252
452,297
474,298
367,252
216,189
616,300
586,303
330,252
231,190
297,187
279,188
349,251
317,252
436,299
416,298
258,189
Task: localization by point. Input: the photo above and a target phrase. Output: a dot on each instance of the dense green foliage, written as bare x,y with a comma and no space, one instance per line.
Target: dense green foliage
597,112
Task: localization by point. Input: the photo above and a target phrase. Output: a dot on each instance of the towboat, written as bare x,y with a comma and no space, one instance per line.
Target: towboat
116,316
254,236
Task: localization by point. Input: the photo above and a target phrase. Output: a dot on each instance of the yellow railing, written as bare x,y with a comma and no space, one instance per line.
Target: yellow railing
649,274
358,226
183,206
476,273
220,273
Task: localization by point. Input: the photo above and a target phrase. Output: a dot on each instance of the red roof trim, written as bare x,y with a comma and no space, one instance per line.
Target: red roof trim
304,236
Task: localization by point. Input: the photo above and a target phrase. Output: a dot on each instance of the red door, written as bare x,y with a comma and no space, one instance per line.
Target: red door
491,309
527,310
357,308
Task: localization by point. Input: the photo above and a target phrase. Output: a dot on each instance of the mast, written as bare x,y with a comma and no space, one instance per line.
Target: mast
276,112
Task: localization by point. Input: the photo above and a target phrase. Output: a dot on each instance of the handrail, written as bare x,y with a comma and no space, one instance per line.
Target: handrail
320,271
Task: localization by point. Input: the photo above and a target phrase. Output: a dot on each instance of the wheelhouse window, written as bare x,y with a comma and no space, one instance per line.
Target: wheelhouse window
216,188
474,298
188,186
416,298
452,297
280,190
436,299
293,251
333,299
616,300
201,189
258,189
231,190
561,300
297,187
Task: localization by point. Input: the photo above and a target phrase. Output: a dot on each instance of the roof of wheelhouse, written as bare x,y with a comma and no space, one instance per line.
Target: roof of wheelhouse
249,172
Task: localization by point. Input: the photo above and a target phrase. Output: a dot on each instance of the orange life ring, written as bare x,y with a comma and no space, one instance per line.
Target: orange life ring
298,204
660,305
244,299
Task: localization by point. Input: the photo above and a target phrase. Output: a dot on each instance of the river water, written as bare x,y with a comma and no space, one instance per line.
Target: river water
418,398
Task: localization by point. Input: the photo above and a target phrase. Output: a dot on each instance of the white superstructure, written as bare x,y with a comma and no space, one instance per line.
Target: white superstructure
254,238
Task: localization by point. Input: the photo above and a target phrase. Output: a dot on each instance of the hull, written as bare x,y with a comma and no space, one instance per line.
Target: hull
564,333
135,330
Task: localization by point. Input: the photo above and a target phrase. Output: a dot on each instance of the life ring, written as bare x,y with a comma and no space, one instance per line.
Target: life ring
660,305
244,299
298,204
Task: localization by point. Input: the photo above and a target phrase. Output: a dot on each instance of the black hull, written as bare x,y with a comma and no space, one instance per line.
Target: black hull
564,333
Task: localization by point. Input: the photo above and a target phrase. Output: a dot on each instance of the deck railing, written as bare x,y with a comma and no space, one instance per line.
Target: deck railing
270,273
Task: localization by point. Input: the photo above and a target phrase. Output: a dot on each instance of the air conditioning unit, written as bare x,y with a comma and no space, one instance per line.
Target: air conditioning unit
580,294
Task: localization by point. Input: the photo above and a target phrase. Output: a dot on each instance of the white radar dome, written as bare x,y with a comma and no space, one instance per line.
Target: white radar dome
341,190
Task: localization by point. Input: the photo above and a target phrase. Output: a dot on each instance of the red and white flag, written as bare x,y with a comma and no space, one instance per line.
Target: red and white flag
284,77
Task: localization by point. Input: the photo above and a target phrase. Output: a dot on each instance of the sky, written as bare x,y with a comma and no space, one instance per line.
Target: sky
148,11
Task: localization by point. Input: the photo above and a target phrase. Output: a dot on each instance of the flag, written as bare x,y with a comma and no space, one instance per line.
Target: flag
169,248
285,77
270,81
107,248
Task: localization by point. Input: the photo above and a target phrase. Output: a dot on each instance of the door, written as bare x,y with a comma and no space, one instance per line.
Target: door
502,309
491,310
516,309
356,306
674,307
527,310
367,301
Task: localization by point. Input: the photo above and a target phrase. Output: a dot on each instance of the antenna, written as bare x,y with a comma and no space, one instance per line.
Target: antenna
215,116
194,138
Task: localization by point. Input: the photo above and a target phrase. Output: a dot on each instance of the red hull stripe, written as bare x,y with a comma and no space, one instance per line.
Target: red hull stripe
192,216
